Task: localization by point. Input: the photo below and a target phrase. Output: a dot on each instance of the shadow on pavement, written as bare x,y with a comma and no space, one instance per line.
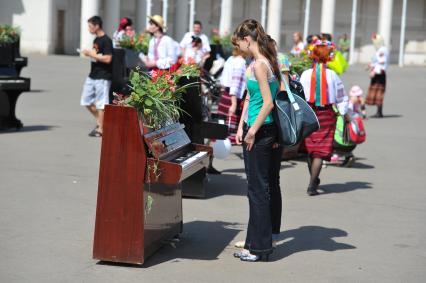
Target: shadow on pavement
39,90
355,165
309,238
284,164
387,116
343,188
33,128
200,240
359,165
226,184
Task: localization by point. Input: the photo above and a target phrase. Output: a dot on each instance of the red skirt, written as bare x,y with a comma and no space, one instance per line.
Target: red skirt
233,120
320,143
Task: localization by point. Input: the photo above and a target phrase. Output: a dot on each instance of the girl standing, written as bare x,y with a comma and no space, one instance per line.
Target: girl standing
263,80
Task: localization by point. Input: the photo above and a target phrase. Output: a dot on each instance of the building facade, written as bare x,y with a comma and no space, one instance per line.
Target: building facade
60,26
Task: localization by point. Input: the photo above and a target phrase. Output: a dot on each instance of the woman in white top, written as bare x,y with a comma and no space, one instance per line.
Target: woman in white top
194,54
377,68
234,83
298,45
162,49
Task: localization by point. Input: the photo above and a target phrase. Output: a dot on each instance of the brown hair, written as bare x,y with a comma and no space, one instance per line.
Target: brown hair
321,53
267,46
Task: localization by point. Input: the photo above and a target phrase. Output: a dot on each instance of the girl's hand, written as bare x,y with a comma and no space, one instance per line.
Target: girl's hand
249,139
239,136
232,109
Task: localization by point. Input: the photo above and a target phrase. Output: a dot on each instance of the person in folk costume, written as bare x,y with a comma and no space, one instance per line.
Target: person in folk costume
377,68
322,88
234,83
125,28
162,48
263,79
194,54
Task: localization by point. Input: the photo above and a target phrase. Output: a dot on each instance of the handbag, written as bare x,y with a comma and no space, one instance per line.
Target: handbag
294,117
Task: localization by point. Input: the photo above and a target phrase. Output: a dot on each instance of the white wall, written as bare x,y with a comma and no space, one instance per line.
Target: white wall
34,18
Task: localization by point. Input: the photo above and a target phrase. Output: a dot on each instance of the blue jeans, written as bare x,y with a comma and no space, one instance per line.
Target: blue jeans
263,190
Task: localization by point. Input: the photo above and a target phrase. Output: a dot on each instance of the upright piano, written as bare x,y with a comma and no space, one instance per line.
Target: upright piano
11,84
139,204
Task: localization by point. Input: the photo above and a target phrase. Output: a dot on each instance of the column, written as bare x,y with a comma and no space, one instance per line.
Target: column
263,8
50,48
112,16
165,10
327,16
353,32
225,17
384,27
402,38
148,11
89,8
140,15
181,19
274,20
191,13
307,18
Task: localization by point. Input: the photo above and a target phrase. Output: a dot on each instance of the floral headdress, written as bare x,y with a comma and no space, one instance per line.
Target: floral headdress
318,94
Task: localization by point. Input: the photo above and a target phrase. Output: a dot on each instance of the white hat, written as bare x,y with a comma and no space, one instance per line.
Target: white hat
158,20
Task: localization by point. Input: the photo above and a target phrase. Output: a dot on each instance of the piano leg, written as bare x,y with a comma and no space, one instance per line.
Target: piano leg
10,120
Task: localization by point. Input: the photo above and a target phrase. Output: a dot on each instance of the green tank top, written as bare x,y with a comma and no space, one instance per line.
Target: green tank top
256,100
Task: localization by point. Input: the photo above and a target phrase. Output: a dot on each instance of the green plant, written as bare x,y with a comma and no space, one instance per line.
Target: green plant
9,34
225,41
157,96
138,42
298,64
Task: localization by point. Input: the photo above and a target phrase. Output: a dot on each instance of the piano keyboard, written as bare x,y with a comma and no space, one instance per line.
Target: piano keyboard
189,158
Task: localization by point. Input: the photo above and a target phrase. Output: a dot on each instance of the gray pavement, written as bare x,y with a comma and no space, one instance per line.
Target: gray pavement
368,226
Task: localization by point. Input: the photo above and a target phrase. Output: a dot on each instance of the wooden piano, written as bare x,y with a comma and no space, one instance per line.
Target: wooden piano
11,84
139,203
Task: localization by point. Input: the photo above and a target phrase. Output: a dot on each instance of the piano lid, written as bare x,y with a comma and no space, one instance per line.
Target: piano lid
166,140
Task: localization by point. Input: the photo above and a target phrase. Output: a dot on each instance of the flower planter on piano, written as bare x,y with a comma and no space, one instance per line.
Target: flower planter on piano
7,54
11,84
139,203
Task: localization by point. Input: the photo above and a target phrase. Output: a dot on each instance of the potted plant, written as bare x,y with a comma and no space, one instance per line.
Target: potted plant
9,41
299,64
133,45
157,95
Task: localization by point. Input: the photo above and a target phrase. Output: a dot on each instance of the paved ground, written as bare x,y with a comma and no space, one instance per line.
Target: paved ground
368,226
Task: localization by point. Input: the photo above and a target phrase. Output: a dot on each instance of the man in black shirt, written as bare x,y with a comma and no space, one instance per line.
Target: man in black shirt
95,92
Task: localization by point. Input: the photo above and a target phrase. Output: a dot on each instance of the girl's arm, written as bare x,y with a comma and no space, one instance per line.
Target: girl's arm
239,135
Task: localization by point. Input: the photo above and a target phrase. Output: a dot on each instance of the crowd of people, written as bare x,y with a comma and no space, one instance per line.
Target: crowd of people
251,78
